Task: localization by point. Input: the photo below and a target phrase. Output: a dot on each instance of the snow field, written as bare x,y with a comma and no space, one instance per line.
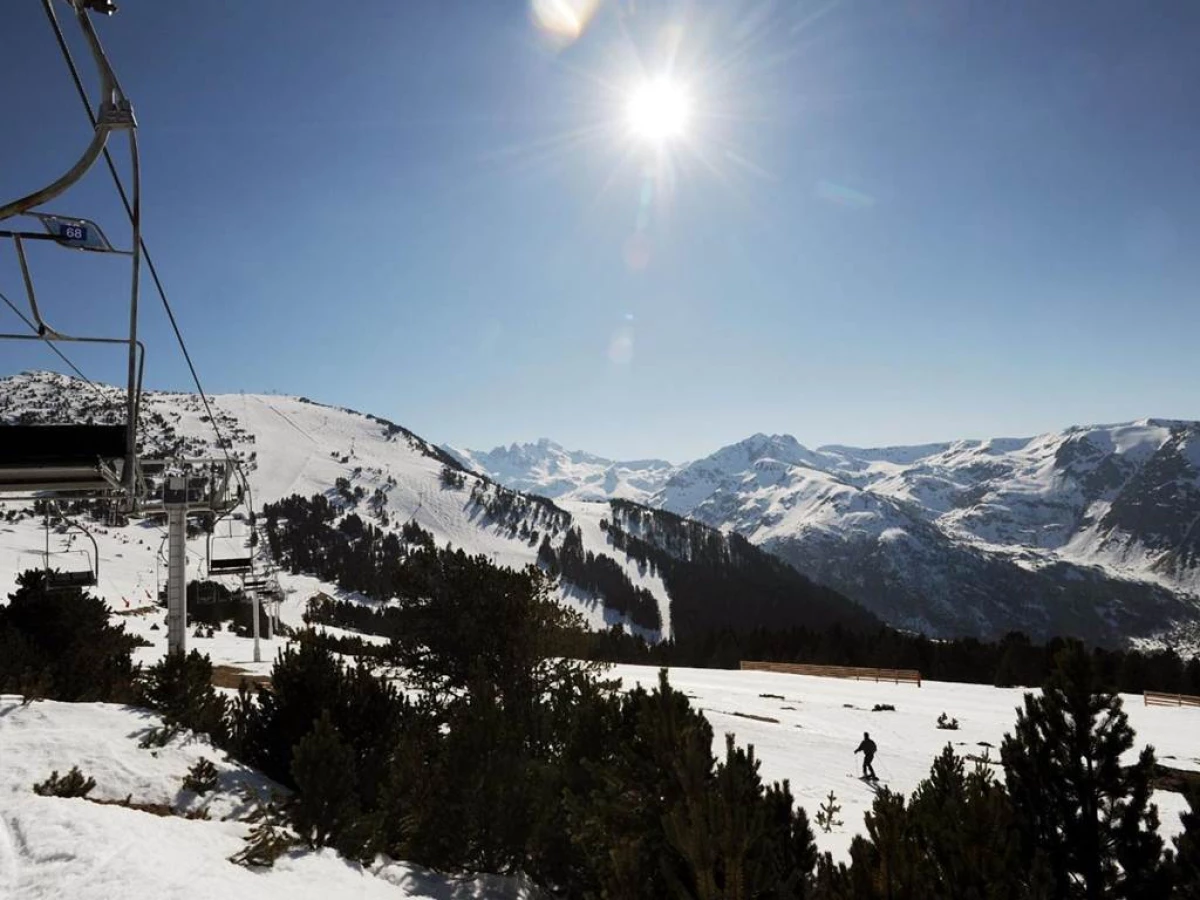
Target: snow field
821,720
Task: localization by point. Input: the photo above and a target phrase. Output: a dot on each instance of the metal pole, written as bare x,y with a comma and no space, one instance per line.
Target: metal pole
175,501
133,388
257,652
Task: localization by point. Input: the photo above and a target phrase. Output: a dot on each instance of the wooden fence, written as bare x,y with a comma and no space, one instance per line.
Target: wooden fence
858,673
1154,698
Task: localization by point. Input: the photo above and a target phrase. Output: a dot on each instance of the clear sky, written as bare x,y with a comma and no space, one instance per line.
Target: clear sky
883,222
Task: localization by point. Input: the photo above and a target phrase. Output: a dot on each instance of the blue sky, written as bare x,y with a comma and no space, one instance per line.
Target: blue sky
887,222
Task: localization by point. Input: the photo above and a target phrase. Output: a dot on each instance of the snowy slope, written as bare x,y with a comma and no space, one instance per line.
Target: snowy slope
821,720
290,446
1092,531
56,847
53,847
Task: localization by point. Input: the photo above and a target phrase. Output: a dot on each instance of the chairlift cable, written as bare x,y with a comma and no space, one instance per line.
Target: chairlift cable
65,50
49,343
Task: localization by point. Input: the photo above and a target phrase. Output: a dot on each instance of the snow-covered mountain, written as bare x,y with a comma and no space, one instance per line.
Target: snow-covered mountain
546,468
373,467
1092,531
388,477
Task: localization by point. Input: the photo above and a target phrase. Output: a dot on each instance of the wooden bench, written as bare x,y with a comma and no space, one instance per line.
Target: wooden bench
858,673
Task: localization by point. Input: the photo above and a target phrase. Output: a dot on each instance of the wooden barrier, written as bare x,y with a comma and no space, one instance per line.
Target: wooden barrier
858,673
1154,698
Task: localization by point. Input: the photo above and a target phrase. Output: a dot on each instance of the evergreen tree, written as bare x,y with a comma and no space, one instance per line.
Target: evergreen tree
1072,800
735,839
59,645
325,806
180,688
954,840
616,811
1186,867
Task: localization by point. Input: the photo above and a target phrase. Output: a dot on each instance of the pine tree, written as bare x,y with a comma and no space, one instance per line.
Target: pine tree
734,839
954,840
180,687
827,814
1186,869
202,777
1073,801
73,784
323,768
62,644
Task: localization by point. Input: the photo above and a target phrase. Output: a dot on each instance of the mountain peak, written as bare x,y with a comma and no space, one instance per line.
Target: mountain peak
783,448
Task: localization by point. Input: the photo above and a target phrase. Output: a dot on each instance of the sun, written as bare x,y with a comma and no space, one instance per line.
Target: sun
658,111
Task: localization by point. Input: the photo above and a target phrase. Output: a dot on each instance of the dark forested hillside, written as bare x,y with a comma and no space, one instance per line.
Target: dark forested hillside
714,580
719,580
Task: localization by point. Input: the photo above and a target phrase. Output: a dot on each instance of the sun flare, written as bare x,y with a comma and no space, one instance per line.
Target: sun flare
658,111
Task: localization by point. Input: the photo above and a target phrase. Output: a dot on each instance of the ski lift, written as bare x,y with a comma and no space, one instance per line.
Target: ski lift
237,558
69,569
79,459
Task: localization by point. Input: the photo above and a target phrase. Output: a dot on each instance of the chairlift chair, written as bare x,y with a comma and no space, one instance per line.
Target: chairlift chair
79,575
69,569
78,459
240,562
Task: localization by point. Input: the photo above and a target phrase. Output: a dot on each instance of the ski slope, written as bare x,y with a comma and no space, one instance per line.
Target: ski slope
289,445
820,721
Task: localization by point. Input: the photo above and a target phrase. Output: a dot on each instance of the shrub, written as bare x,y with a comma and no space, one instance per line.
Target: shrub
270,837
945,723
201,777
60,645
265,844
180,687
883,707
74,784
323,769
827,812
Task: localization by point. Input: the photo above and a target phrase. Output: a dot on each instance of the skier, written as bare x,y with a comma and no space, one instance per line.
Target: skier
867,749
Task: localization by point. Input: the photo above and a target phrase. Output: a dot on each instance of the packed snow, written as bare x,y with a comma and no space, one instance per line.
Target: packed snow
818,722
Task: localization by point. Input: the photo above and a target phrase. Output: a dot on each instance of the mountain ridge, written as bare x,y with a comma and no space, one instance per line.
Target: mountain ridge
1091,532
941,536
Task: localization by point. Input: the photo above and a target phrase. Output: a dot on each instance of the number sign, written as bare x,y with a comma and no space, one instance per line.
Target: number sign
73,231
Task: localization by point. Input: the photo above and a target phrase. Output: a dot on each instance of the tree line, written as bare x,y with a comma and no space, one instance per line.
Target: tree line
701,568
601,576
717,580
1014,660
